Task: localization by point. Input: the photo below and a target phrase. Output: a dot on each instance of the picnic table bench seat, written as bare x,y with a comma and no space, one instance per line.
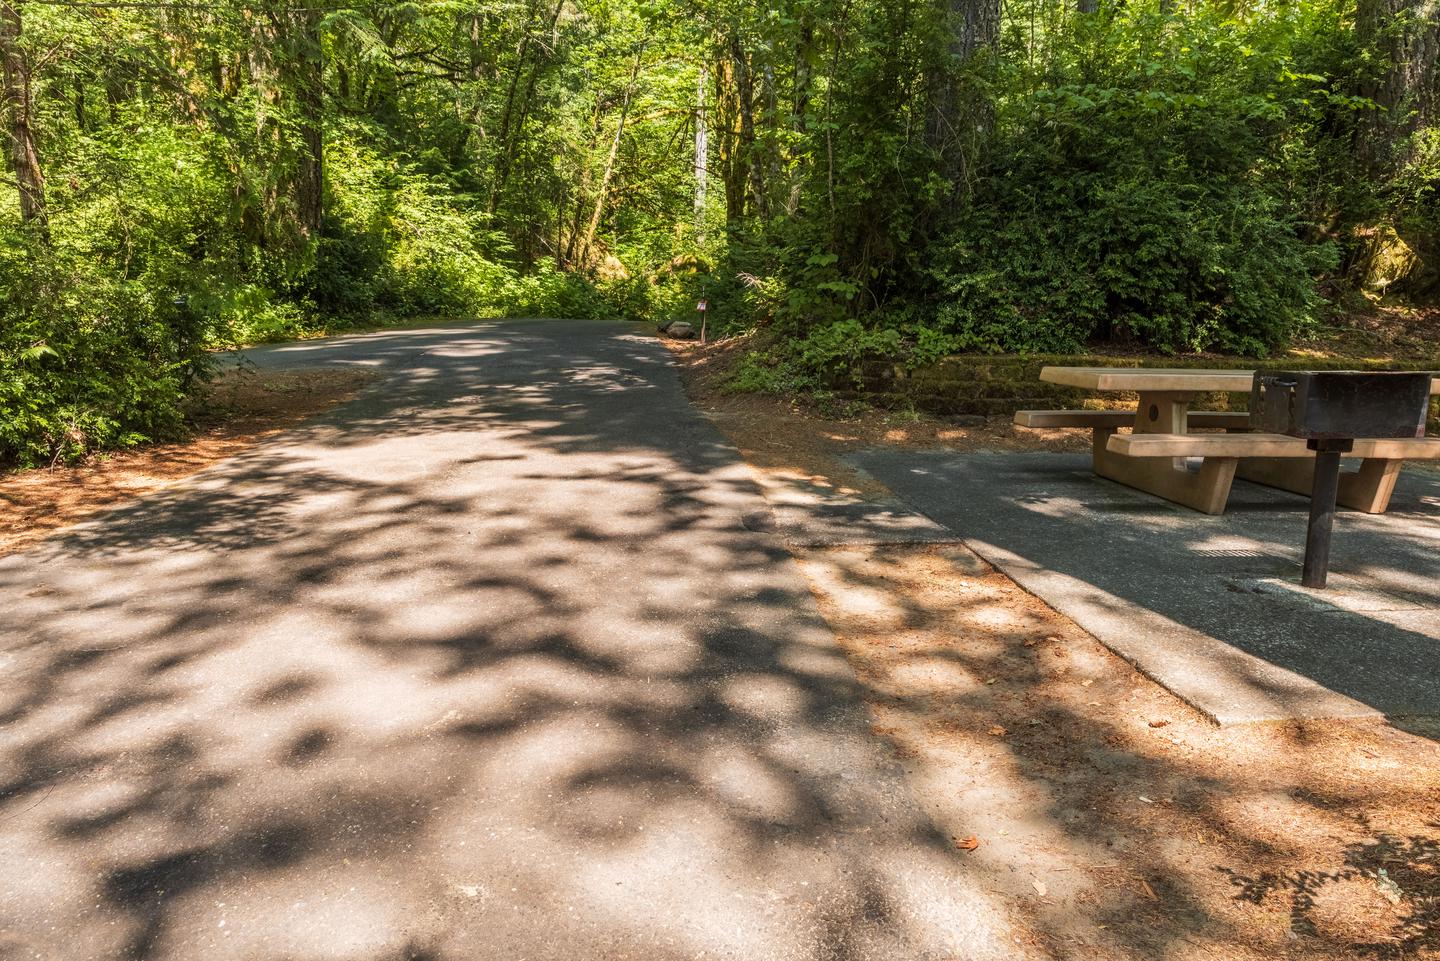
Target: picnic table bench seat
1262,445
1278,460
1114,419
1157,456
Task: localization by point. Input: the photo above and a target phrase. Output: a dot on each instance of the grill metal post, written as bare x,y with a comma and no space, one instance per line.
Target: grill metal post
1322,510
1330,409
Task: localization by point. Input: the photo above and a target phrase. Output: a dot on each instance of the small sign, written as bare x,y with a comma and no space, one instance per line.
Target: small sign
703,306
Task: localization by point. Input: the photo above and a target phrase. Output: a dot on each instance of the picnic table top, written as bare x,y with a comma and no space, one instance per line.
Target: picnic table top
1158,378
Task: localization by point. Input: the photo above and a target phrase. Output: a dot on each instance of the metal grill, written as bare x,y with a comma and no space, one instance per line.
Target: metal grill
1331,410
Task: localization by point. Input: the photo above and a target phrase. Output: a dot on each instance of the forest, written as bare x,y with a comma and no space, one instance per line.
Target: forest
896,179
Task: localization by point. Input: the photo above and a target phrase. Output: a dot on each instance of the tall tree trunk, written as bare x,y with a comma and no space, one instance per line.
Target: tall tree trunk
745,99
960,118
584,253
577,224
1405,37
769,181
19,107
517,108
286,70
702,148
310,99
730,159
800,109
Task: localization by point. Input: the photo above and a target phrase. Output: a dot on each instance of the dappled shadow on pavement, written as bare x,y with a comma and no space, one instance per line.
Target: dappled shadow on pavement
1128,826
1209,606
491,662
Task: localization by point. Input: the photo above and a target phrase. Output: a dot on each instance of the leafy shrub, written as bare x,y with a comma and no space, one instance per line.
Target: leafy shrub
1136,261
402,240
770,372
1139,197
1414,202
550,292
87,361
242,314
840,349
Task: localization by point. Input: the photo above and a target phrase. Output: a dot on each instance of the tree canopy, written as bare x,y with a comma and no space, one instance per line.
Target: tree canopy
864,177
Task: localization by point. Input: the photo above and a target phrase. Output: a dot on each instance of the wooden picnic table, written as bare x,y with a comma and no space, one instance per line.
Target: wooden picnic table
1143,379
1154,457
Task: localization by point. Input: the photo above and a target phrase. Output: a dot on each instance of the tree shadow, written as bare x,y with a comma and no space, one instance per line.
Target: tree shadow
986,705
1115,559
486,656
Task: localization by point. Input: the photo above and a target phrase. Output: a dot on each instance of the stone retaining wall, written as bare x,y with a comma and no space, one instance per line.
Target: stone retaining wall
1003,384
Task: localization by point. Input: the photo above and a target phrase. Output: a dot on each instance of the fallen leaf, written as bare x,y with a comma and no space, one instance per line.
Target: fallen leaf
992,680
1040,888
968,844
1391,891
1149,891
1160,722
997,730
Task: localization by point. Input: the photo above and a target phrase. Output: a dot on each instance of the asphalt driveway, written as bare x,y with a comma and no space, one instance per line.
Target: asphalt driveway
500,660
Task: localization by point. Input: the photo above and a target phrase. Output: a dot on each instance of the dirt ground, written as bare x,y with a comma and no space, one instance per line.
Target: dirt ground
1381,333
236,410
791,437
1120,823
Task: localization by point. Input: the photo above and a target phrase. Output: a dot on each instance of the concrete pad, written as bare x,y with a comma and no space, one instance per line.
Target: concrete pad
806,514
489,663
1209,607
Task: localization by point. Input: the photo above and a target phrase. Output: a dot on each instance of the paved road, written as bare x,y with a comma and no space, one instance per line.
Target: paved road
497,661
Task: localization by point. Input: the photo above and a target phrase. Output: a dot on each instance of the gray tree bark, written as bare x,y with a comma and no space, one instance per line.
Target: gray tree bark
19,103
1406,36
960,118
310,100
702,147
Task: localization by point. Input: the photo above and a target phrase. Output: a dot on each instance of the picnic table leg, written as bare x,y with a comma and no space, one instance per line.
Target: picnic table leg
1165,413
1205,490
1367,489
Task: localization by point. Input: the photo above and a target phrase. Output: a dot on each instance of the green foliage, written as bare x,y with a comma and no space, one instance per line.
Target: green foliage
1167,179
399,239
770,372
86,361
1150,179
845,345
1171,266
1141,197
